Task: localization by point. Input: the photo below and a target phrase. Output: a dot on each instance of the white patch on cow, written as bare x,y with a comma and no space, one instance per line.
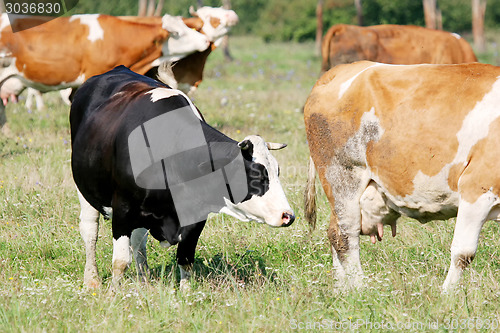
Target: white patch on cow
5,22
430,195
270,207
228,18
369,130
122,252
457,36
477,122
89,228
182,40
345,85
92,21
470,220
162,93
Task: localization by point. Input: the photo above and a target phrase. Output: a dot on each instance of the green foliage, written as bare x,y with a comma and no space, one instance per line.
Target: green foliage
295,20
393,12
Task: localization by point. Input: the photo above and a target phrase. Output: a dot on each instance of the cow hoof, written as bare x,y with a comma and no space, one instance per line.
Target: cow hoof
184,286
93,283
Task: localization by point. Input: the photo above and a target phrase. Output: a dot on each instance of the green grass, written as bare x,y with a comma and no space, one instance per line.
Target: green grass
248,277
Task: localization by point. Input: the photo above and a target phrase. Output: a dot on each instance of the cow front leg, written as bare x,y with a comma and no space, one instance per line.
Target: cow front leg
89,227
122,258
470,220
122,230
186,250
138,240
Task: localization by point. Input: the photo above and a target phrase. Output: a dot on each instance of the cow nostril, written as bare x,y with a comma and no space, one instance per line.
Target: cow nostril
287,218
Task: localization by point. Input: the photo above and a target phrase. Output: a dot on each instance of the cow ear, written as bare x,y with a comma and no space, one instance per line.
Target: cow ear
275,146
245,145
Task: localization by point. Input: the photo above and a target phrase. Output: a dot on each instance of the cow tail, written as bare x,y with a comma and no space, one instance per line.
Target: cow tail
310,196
325,48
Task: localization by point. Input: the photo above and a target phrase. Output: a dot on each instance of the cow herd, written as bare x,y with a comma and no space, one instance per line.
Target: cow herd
403,121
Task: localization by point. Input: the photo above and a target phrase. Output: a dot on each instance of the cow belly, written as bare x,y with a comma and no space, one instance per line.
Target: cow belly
430,200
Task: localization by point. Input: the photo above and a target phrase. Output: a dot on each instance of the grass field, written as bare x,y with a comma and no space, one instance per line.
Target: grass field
248,277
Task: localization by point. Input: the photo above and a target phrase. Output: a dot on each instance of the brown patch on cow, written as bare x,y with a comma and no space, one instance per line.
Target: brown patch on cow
392,44
481,174
190,68
214,22
464,260
195,23
338,240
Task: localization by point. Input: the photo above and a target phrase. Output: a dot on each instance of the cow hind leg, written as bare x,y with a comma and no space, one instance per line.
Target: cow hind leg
470,220
344,193
89,227
343,232
138,241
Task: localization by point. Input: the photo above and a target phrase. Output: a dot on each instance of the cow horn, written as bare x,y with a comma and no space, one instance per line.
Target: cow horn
275,146
192,11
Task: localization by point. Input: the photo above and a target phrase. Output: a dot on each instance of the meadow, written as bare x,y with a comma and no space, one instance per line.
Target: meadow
248,277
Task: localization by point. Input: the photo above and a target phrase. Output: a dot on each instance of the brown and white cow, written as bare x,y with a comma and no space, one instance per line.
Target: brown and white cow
413,140
189,61
213,22
64,52
393,44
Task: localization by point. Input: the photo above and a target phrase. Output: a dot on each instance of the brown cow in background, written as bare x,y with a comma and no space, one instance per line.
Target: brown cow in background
393,44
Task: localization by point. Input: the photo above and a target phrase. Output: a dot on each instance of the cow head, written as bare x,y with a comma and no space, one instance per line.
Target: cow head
216,21
266,201
182,40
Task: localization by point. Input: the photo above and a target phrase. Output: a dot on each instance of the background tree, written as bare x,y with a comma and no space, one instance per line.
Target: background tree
359,12
430,13
225,40
319,25
478,12
148,8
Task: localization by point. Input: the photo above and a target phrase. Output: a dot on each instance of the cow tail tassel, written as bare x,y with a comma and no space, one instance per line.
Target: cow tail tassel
310,196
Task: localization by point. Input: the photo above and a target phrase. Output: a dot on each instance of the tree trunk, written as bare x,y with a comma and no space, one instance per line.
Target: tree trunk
359,12
142,7
439,19
159,8
151,8
225,41
478,11
430,13
319,26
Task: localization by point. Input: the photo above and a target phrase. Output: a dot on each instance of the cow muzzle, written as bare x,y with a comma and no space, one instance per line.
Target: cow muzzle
287,218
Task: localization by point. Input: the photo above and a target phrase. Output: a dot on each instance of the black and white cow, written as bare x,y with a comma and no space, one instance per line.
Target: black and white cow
143,155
